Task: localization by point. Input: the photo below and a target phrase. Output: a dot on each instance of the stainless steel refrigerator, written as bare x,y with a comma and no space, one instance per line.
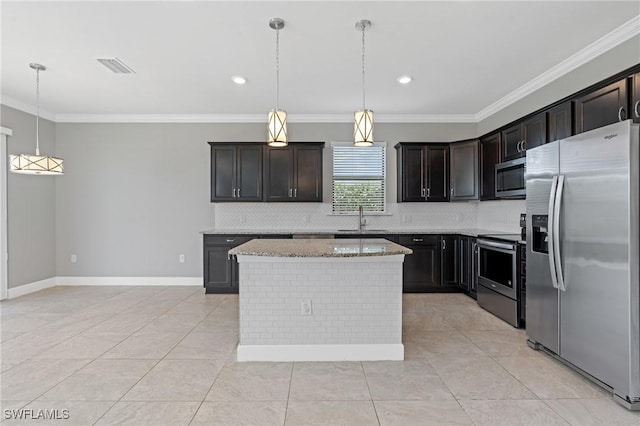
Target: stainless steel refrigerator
582,255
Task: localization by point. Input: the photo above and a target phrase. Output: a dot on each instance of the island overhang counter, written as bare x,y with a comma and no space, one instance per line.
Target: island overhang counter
320,300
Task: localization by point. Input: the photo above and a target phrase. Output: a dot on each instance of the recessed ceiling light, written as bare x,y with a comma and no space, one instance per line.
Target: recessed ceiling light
404,79
238,79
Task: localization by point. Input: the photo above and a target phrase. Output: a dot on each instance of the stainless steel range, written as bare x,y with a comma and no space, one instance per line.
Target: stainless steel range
498,276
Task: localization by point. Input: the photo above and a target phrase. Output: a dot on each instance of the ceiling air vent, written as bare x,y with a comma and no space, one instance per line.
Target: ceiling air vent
116,65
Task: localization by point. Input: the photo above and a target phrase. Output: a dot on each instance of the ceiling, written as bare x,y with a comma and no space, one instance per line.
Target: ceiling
464,56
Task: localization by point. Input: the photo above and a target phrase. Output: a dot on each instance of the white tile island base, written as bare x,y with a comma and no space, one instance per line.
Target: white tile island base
320,308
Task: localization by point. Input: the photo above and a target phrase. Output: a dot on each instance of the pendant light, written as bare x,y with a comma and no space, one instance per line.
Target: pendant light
363,124
277,117
36,164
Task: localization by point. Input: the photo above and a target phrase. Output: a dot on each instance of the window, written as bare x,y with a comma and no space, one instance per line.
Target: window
358,178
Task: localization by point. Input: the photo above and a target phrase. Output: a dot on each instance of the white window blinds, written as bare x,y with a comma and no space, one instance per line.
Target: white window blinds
358,178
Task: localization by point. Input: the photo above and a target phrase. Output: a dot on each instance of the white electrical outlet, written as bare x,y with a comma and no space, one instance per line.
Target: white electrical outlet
74,258
306,307
181,258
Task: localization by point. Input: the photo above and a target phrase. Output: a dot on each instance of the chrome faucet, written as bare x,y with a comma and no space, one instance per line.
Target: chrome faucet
362,222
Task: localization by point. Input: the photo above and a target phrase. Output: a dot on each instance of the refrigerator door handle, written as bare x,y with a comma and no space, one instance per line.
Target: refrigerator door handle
556,233
550,232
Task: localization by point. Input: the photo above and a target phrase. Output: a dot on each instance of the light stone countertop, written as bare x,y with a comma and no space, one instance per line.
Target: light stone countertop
470,232
320,248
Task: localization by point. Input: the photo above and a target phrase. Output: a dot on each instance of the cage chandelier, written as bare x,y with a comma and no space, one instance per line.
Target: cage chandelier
277,133
363,124
36,164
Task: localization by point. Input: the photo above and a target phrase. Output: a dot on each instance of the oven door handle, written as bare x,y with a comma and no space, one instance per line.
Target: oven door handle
550,233
495,244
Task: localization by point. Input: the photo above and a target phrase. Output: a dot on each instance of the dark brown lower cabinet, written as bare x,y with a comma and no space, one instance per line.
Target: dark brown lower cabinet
464,262
450,260
421,270
221,271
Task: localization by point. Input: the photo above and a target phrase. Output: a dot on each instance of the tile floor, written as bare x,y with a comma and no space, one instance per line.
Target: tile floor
166,356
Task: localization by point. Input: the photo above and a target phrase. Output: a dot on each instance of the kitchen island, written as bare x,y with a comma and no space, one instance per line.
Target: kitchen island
320,300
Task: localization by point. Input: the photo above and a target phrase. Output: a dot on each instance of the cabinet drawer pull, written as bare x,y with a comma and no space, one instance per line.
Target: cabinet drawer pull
424,192
418,240
636,110
229,240
620,111
444,244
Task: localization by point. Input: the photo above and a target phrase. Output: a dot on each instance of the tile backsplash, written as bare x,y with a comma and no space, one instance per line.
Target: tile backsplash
492,215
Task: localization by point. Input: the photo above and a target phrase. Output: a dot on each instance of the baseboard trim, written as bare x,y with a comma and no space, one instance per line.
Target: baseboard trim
288,353
129,281
102,281
21,290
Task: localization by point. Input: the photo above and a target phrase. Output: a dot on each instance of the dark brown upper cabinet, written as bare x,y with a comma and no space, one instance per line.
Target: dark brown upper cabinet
518,138
423,172
601,107
512,143
559,121
294,172
534,131
236,171
635,98
464,170
489,157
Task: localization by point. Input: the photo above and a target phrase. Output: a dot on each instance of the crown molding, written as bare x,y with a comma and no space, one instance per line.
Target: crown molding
595,49
258,118
25,107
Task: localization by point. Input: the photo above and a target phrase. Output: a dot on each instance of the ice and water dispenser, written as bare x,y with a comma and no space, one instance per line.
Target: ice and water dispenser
539,234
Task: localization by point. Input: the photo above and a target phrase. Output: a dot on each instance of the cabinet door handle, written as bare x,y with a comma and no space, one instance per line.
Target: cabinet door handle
234,193
452,192
428,192
518,147
620,112
418,240
295,193
424,192
290,193
238,192
636,110
444,244
524,145
230,240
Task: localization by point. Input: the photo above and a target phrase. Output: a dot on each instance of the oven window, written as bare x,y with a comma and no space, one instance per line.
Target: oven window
496,266
511,178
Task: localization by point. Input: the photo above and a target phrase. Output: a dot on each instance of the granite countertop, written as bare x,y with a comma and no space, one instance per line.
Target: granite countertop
320,248
470,232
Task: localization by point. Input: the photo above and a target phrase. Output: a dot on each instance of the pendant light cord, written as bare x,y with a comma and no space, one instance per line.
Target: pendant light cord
363,99
277,67
37,112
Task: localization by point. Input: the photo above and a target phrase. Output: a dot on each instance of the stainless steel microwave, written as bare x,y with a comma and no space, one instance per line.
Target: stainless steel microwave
510,181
